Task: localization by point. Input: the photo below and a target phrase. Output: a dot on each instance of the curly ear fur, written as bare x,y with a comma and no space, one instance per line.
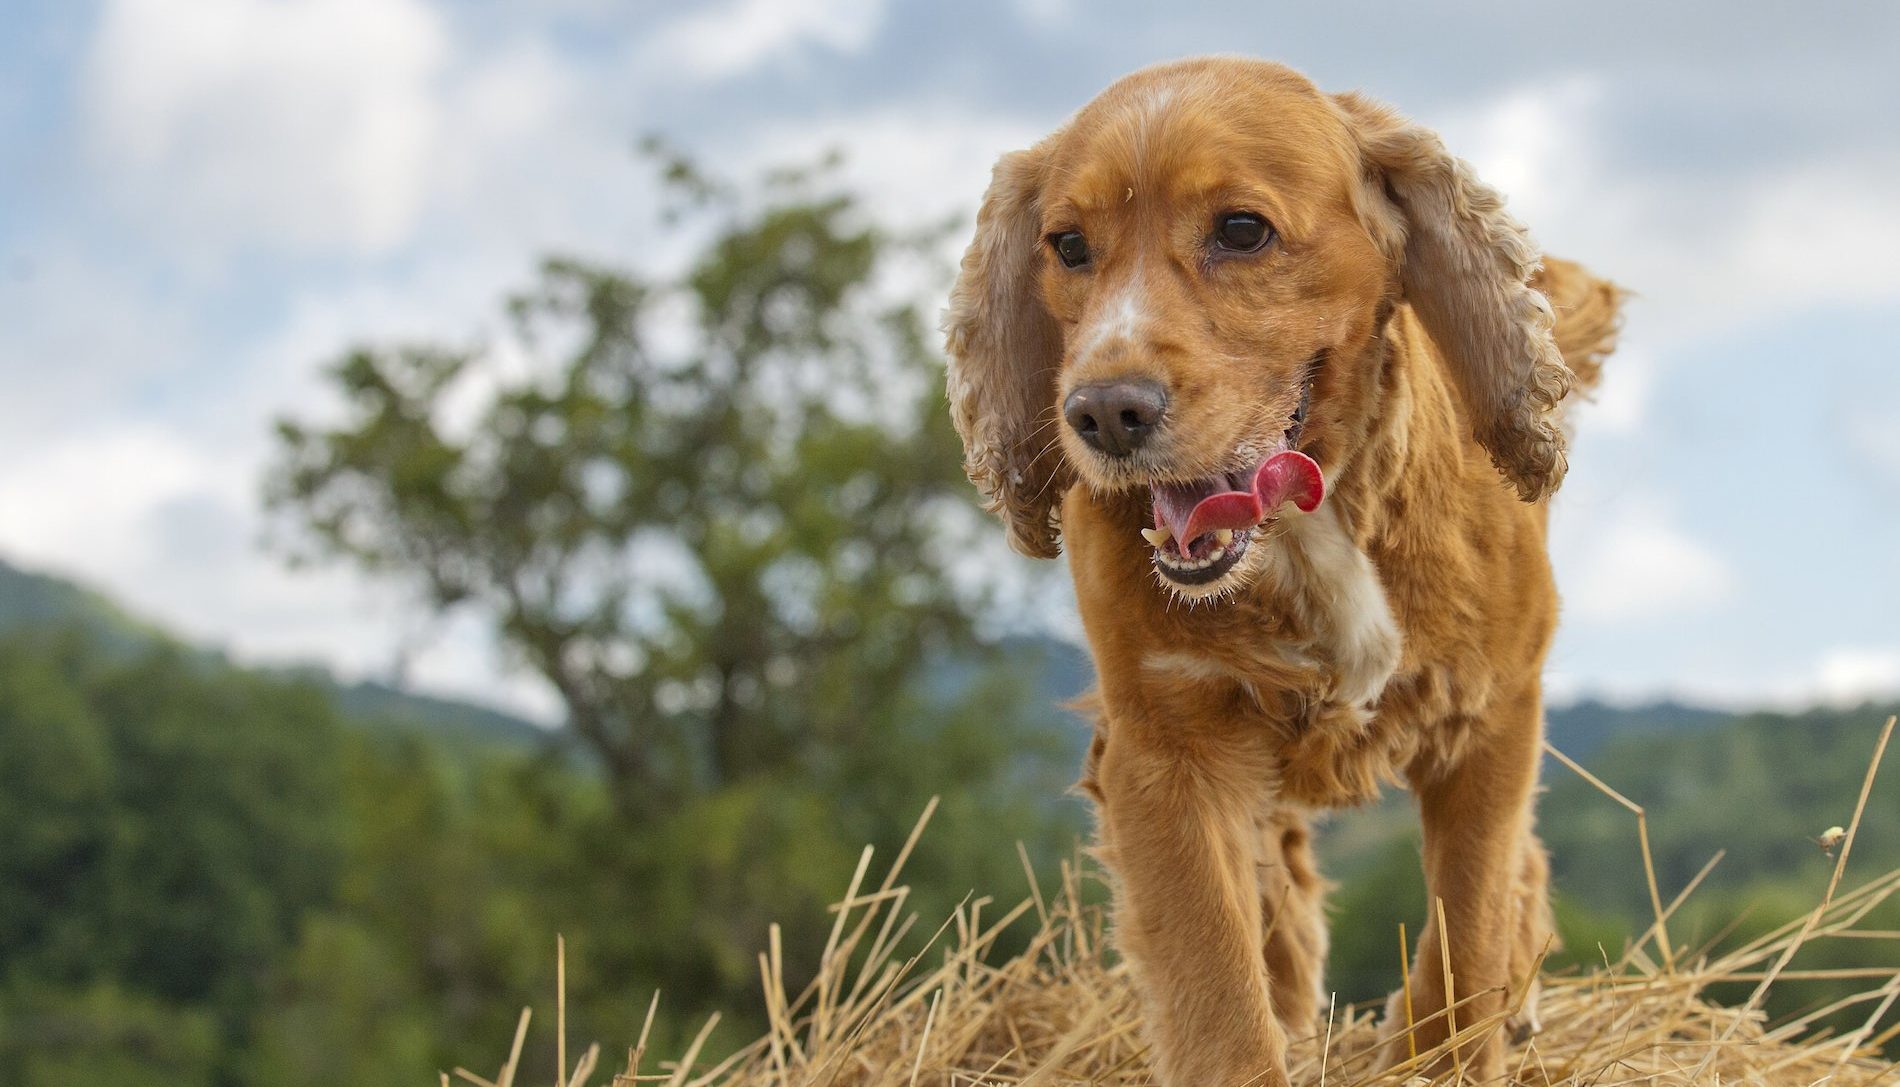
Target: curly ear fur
1467,267
1004,352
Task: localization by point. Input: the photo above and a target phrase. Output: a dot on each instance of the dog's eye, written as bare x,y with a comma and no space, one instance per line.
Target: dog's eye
1242,231
1071,247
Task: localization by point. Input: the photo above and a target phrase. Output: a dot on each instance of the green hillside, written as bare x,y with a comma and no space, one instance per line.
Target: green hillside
35,601
1758,788
1583,728
37,604
30,601
220,875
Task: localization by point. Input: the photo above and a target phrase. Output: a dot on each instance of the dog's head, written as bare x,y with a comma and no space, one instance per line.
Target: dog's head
1177,293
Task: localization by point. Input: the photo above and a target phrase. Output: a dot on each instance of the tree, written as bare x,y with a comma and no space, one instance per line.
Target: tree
722,513
169,823
728,558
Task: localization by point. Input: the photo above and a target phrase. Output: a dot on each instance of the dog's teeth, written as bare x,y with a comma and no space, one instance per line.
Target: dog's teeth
1223,536
1158,537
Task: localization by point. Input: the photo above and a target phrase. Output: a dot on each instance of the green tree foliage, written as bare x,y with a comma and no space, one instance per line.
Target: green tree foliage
727,555
1762,788
212,878
721,512
168,826
1759,788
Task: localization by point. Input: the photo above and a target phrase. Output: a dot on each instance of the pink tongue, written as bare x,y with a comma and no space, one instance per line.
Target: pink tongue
1287,476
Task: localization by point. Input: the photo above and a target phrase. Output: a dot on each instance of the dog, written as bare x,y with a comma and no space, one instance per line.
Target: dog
1284,379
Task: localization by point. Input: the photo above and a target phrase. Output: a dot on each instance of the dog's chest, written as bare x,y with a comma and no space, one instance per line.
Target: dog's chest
1321,654
1322,579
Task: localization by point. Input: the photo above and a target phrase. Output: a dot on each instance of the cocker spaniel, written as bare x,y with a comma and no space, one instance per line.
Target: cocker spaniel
1283,377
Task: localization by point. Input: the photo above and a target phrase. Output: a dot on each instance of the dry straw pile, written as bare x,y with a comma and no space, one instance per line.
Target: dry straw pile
1062,1012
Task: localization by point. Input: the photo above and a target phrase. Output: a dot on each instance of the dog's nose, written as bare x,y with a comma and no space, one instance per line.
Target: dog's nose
1116,417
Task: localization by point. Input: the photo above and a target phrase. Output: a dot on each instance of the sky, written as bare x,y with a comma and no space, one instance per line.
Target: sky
201,204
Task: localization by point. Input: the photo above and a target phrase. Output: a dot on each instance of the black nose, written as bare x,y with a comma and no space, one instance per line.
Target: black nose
1116,416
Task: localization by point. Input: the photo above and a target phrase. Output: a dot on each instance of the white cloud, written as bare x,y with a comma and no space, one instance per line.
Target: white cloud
302,124
1821,232
1841,677
744,34
1639,566
172,532
354,128
76,502
1620,402
307,127
909,163
913,168
1047,14
1534,144
1850,675
535,153
132,456
1708,250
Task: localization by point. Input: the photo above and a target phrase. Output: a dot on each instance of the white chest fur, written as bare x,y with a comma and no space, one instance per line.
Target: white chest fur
1320,571
1315,570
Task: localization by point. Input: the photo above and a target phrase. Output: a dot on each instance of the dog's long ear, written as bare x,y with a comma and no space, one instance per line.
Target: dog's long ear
1466,268
1004,351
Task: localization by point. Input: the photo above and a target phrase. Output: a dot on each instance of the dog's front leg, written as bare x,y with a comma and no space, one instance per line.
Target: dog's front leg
1486,867
1179,806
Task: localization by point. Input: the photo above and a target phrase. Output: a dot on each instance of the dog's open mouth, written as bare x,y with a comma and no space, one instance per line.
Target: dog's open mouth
1202,528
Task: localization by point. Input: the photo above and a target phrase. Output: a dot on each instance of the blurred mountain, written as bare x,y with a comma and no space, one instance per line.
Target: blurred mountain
32,601
462,798
29,600
1060,672
370,701
1581,729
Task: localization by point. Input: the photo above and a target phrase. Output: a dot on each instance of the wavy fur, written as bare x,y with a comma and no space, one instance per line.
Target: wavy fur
1396,634
1003,353
1468,267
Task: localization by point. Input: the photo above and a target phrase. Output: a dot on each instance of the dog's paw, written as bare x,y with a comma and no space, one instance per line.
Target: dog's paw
1526,1024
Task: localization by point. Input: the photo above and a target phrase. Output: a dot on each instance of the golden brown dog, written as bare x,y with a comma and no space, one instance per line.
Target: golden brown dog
1283,376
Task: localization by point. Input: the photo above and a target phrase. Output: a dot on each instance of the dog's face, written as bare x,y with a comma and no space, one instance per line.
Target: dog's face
1205,264
1175,293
